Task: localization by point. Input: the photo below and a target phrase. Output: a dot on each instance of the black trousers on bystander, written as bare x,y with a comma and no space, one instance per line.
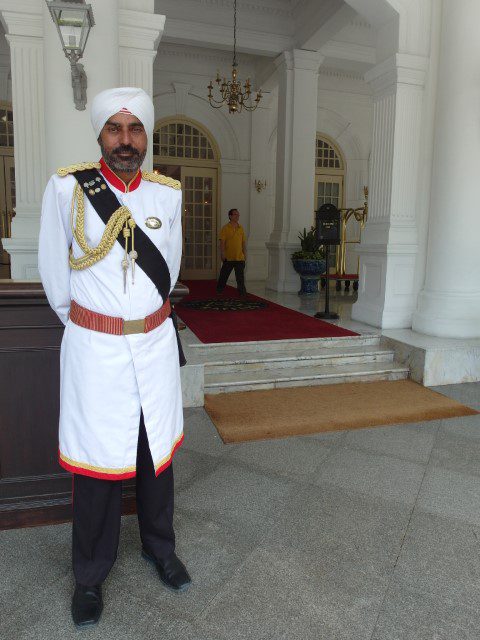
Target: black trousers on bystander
226,270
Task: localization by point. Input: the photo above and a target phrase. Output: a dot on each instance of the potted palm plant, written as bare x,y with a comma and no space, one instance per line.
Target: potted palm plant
309,262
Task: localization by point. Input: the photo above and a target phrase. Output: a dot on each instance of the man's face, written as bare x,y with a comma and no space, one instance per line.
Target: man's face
234,216
123,142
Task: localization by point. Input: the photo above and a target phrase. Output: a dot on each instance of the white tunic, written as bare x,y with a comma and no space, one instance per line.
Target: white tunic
106,380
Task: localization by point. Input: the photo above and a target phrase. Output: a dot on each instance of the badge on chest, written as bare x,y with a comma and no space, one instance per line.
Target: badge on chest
153,223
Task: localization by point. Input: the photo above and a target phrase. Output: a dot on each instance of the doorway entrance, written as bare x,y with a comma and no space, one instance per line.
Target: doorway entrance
186,151
7,184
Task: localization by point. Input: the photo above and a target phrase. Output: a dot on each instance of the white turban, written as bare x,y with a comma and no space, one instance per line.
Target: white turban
122,99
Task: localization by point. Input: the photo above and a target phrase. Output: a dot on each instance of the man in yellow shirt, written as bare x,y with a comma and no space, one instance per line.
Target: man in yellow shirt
233,252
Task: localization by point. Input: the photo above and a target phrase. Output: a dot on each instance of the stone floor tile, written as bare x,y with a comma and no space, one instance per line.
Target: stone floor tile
237,493
466,393
31,558
457,446
339,527
374,475
191,467
292,457
201,434
441,556
278,591
409,614
409,441
450,494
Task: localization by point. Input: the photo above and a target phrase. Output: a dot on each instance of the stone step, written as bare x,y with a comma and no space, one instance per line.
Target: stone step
254,361
200,349
303,376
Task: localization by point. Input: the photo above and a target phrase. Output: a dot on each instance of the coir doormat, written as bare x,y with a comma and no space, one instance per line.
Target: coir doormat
279,413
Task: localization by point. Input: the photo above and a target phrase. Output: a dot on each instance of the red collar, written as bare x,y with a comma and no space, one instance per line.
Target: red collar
117,182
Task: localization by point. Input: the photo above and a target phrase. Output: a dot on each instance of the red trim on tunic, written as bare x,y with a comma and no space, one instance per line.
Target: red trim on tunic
94,474
169,461
115,476
117,182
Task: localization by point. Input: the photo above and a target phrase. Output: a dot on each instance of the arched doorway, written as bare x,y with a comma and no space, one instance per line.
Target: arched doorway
330,173
183,149
7,183
330,169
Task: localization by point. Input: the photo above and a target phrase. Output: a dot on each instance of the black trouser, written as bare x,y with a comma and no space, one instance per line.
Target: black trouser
97,506
226,270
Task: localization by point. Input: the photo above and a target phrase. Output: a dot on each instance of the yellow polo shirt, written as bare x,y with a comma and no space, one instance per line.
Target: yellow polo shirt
234,239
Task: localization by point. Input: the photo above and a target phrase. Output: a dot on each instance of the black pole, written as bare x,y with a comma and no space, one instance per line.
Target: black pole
326,315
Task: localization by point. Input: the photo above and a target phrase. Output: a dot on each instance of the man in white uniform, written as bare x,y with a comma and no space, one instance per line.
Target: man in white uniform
109,255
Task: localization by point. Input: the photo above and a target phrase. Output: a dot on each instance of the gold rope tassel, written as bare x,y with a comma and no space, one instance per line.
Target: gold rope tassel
119,218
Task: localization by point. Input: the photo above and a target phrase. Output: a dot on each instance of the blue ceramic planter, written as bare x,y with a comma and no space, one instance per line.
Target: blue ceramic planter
310,272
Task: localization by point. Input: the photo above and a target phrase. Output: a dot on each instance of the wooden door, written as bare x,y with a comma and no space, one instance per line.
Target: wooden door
7,208
199,186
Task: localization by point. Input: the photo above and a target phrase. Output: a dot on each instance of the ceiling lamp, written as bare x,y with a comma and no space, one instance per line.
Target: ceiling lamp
232,93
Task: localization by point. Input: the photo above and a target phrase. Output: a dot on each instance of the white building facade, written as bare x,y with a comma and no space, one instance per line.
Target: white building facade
389,87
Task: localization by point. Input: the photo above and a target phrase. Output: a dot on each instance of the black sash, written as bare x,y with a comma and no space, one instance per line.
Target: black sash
150,259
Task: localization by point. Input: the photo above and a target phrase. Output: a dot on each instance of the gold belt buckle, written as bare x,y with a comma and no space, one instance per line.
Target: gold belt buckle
133,326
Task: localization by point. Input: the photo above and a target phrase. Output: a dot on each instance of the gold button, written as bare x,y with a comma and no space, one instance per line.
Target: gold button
91,192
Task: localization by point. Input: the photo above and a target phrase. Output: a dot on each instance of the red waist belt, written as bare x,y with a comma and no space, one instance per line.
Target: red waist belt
117,326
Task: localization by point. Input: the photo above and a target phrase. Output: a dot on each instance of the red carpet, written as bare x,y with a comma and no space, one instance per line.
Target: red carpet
271,323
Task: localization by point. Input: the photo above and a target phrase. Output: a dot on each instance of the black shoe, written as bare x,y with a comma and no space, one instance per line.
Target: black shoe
87,605
172,572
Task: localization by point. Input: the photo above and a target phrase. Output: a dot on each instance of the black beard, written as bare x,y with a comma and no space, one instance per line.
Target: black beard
118,164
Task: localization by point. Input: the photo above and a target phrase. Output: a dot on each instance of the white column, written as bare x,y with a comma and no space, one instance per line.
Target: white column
24,33
139,35
389,247
260,167
449,305
295,172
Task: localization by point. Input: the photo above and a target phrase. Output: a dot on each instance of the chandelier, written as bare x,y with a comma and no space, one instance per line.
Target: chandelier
232,93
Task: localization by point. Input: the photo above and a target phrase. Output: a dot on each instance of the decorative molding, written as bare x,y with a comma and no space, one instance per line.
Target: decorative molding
22,24
272,10
399,68
181,96
197,53
361,23
140,30
299,59
340,73
235,166
212,35
349,51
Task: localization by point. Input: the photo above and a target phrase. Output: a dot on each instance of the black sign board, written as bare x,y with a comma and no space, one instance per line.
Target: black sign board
327,224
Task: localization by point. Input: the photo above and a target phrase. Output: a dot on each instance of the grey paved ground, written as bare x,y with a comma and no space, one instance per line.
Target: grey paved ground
372,534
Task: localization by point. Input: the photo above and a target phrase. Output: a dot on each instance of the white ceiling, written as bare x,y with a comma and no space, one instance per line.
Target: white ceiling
265,28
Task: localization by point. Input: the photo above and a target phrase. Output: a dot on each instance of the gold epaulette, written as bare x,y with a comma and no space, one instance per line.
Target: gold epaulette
65,171
157,177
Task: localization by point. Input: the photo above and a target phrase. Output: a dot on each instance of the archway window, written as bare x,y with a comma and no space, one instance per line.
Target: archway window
326,156
181,140
6,126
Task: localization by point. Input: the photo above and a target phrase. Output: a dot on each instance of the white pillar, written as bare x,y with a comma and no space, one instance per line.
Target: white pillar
295,174
139,35
389,247
24,33
449,305
260,168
